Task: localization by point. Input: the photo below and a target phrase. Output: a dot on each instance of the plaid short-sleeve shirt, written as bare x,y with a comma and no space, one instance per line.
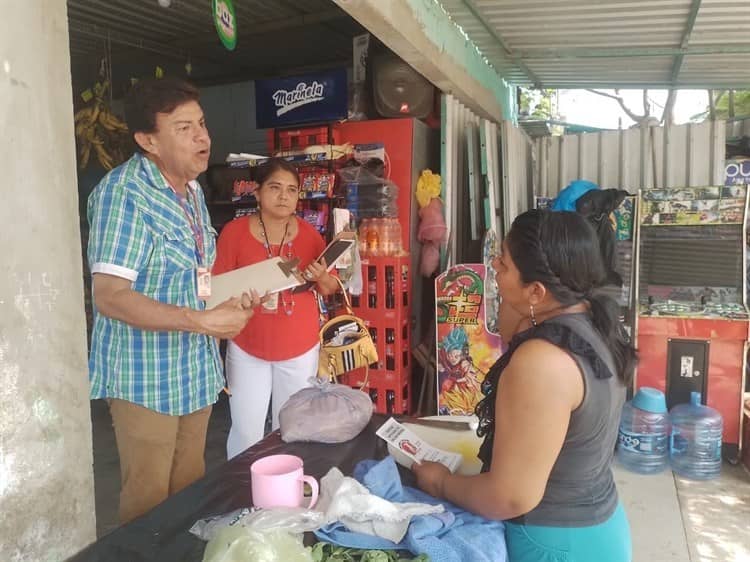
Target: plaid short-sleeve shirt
140,230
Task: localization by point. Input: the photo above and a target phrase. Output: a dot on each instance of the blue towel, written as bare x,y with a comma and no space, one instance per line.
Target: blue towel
566,199
453,536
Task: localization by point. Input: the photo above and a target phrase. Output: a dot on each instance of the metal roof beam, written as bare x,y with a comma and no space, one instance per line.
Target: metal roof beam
266,72
628,52
692,16
270,26
144,44
132,18
500,41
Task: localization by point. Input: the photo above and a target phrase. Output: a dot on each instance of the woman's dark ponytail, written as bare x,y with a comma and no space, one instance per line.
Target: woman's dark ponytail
605,315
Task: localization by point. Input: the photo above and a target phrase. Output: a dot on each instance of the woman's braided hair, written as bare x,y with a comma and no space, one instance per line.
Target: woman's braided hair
560,250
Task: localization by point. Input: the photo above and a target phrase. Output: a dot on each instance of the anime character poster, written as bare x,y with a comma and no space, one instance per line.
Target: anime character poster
465,349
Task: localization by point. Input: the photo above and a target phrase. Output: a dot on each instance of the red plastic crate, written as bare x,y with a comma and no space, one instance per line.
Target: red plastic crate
375,302
294,139
393,342
379,385
389,322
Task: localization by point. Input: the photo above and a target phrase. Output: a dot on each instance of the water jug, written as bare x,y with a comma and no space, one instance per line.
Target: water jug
643,439
695,447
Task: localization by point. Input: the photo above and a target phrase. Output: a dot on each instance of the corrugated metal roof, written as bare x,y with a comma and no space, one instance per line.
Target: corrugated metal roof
611,43
274,36
724,68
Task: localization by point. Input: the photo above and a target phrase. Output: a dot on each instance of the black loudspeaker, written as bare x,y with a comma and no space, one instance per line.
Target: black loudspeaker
398,90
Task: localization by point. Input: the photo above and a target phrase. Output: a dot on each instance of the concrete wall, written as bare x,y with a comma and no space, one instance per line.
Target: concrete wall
46,478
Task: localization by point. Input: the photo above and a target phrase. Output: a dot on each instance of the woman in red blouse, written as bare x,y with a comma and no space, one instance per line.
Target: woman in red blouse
277,352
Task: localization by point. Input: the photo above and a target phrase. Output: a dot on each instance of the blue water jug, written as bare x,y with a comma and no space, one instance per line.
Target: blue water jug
695,446
643,438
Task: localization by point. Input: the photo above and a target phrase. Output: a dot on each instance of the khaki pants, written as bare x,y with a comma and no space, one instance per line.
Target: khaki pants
159,454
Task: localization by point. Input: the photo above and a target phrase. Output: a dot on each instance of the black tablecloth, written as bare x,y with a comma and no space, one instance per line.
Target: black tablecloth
162,534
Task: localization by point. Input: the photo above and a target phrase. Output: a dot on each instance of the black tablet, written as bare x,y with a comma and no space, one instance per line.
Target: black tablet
337,248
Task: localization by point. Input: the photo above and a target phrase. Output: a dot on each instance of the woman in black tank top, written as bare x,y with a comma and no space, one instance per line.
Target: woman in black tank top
552,401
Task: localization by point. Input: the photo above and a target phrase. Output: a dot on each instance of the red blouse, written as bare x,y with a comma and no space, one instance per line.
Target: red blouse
279,335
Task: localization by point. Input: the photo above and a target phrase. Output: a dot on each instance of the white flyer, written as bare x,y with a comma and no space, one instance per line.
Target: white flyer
414,447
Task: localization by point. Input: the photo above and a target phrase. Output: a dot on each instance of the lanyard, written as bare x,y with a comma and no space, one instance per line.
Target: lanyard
194,222
265,236
288,307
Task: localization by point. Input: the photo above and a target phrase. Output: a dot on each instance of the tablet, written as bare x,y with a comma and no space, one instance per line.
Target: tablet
333,252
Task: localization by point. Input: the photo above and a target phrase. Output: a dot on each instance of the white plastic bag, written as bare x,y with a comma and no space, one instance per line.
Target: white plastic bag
296,520
238,544
325,412
263,535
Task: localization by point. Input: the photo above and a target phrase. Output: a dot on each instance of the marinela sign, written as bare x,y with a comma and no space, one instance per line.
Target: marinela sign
301,99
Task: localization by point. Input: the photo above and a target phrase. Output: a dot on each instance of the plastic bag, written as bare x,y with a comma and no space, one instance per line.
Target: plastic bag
292,519
566,199
432,233
368,195
432,227
263,535
325,412
428,188
237,544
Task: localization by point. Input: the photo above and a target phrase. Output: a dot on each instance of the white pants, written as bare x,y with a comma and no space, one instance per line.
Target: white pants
252,382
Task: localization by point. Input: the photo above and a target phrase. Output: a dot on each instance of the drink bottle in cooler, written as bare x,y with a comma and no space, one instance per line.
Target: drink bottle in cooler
643,438
695,446
372,287
364,229
390,358
390,287
374,235
391,237
390,401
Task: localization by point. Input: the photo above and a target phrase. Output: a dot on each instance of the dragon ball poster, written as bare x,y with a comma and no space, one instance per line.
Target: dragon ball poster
465,348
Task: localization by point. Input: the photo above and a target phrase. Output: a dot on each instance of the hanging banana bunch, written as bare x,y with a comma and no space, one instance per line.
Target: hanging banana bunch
100,132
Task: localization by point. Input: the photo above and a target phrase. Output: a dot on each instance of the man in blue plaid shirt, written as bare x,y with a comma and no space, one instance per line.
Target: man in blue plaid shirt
154,350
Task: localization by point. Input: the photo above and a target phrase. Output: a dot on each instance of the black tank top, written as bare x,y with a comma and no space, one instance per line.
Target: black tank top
581,489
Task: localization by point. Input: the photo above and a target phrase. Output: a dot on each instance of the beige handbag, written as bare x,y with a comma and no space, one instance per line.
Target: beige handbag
345,344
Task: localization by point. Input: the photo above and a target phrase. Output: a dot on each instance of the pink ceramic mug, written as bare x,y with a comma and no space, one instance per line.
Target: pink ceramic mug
278,481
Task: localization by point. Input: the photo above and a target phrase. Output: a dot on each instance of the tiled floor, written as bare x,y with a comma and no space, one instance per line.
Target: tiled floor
672,519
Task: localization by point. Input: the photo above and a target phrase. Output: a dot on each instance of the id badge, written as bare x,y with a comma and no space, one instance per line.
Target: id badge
271,305
204,283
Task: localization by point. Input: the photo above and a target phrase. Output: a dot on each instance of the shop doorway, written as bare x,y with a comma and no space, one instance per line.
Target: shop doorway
111,45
